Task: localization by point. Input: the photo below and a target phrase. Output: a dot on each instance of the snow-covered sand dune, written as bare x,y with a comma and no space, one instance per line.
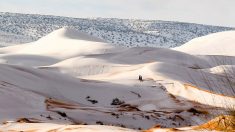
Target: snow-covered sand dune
222,43
69,77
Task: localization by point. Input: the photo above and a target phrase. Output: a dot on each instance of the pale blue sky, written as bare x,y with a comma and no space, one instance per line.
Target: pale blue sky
212,12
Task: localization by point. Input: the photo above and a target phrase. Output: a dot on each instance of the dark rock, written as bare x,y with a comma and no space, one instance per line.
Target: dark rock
116,101
63,114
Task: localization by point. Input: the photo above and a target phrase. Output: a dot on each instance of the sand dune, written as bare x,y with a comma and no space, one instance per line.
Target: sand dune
69,77
214,44
59,45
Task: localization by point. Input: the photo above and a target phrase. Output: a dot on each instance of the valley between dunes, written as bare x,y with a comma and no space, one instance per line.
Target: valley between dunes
70,81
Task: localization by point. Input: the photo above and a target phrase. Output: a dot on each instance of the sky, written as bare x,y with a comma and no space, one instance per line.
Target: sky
210,12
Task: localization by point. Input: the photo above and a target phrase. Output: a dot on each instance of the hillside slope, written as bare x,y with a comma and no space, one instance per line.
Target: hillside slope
22,28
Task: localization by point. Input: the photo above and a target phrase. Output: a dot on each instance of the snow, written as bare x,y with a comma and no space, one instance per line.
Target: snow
43,127
219,44
23,28
148,107
69,77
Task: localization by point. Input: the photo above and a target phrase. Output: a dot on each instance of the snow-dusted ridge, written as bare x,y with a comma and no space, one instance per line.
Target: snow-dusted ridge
21,28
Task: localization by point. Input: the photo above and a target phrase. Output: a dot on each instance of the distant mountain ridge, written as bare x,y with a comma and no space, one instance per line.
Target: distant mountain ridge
21,28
